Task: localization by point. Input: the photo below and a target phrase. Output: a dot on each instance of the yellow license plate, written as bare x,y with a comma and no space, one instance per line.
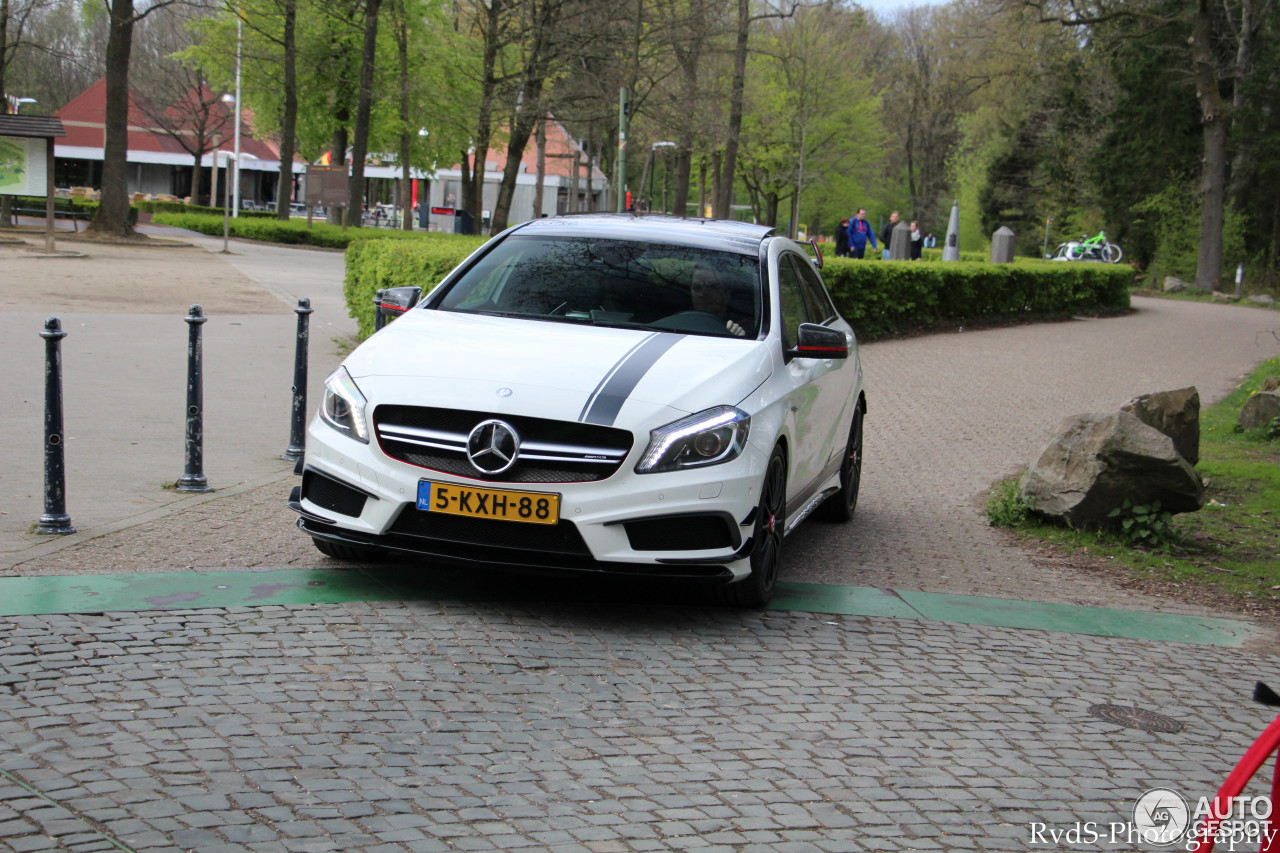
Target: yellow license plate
501,504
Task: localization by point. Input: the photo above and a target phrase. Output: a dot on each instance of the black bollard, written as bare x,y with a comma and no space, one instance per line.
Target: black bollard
55,518
297,428
193,480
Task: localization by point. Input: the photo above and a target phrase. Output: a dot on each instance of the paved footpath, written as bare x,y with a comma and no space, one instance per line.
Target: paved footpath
480,712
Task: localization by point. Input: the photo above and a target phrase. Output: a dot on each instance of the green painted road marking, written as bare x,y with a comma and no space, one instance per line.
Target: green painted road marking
843,600
1073,619
193,590
186,591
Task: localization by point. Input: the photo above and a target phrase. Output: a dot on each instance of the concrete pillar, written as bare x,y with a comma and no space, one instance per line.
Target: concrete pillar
951,248
900,243
1002,246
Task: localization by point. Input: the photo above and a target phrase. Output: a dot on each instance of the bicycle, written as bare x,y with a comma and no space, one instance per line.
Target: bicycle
1097,248
1267,744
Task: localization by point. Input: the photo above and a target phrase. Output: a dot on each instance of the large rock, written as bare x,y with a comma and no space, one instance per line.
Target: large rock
1099,460
1271,383
1175,285
1174,413
1259,409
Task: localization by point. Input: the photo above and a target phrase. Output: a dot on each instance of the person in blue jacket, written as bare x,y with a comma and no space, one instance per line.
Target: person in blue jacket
860,231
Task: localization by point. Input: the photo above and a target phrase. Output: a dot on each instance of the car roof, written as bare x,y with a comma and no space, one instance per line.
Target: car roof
708,233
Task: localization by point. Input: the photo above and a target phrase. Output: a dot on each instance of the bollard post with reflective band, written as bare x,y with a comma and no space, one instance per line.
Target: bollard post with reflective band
55,518
297,427
193,479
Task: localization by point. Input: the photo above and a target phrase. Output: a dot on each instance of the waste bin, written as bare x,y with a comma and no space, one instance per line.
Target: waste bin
463,222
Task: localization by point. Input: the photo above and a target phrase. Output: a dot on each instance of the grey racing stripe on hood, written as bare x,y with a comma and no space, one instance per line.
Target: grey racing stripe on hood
606,400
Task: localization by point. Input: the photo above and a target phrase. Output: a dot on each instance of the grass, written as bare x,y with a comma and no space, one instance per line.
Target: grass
1229,549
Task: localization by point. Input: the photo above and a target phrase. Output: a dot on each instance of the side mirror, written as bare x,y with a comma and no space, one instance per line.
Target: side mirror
814,341
393,302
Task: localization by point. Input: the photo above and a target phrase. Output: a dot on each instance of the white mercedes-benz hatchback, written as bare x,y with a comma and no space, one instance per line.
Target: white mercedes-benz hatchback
648,395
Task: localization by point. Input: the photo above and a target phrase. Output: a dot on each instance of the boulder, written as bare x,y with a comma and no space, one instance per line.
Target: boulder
1174,413
1099,460
1262,299
1175,285
1259,409
1271,383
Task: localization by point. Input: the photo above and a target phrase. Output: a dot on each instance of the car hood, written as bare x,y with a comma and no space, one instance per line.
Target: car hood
564,371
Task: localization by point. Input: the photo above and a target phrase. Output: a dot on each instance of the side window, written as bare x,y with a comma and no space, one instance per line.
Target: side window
790,302
820,307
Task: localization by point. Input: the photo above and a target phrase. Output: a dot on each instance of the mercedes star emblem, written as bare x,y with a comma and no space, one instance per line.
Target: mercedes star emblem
493,447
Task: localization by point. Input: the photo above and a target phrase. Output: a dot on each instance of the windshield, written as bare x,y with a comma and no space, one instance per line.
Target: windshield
614,283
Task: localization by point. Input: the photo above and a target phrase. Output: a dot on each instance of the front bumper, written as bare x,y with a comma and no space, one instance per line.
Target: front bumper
652,525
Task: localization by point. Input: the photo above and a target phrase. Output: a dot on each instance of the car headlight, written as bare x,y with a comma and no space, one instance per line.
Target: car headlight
707,438
344,406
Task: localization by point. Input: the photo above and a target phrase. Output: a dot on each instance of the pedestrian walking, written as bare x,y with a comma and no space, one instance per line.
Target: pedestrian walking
886,233
842,239
860,233
917,241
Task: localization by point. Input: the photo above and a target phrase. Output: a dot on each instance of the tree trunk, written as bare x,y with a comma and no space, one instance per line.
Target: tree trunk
473,193
573,177
724,194
540,142
406,136
715,182
338,157
521,130
289,120
112,216
364,108
1212,187
684,166
1244,59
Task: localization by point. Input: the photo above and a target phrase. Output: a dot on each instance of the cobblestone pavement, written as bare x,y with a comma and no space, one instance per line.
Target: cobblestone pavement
588,727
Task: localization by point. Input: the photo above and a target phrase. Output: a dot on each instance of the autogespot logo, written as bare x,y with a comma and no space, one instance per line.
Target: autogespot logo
1161,816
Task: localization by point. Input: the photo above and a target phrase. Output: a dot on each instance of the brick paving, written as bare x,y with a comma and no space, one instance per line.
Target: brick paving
608,721
573,727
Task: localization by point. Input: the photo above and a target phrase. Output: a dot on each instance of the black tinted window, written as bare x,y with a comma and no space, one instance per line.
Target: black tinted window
612,282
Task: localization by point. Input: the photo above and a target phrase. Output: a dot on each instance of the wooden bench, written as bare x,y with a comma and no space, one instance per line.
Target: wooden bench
58,213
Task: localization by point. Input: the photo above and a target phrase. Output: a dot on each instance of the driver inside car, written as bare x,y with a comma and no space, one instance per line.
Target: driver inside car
711,296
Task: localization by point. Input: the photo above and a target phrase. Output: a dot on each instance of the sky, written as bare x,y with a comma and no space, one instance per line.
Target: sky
884,9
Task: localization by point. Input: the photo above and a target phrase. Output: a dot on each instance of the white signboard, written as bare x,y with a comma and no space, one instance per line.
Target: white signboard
24,167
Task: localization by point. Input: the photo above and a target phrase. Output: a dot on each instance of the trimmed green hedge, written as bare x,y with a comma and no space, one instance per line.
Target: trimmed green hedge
878,299
881,299
178,207
374,265
293,231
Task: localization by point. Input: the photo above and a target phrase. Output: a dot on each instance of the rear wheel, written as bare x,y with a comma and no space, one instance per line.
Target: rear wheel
841,506
349,553
766,540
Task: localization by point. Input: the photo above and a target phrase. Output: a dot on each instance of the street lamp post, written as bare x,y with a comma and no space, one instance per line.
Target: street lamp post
226,195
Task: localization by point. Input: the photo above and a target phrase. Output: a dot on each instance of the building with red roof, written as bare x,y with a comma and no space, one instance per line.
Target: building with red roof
161,162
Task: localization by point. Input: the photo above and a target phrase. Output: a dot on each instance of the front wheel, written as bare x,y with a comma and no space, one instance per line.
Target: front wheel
756,589
841,506
1111,253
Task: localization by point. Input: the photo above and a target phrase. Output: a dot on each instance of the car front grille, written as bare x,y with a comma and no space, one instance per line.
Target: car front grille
505,541
550,451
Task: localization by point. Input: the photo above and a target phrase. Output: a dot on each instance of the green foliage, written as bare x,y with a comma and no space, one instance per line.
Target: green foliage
292,231
1006,507
1145,525
374,265
154,207
1173,215
883,298
1272,430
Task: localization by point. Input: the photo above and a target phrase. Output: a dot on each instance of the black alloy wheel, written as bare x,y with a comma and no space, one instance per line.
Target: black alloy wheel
841,506
766,540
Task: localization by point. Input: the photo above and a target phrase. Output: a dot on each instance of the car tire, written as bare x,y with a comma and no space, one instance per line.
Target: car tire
756,589
349,553
840,507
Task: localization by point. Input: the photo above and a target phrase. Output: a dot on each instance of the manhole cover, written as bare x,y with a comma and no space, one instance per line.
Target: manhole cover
1133,717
